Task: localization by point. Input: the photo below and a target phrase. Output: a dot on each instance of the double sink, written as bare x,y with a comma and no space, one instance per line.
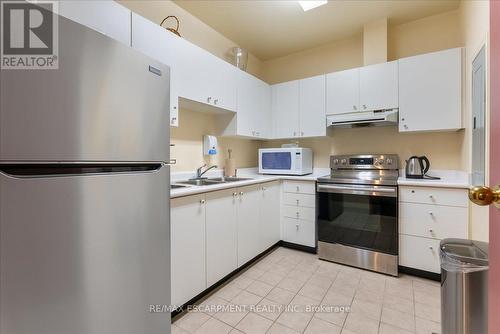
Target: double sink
207,181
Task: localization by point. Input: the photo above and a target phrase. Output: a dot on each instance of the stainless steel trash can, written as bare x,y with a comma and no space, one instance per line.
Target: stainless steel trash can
464,286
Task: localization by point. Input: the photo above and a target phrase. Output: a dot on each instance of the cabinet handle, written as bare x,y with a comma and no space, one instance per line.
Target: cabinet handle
173,120
302,133
297,226
431,248
364,106
402,119
431,213
175,107
431,230
431,196
405,126
202,201
354,108
264,188
241,193
215,101
209,99
297,202
294,133
235,194
297,215
298,188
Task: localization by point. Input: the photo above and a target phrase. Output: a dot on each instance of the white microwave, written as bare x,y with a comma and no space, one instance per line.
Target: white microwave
287,161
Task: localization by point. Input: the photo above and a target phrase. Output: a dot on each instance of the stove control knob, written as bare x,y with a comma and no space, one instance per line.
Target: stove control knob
336,161
389,161
379,162
344,161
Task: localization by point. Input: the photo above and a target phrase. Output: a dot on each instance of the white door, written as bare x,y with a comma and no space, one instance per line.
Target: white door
187,234
248,104
221,234
249,199
270,214
222,83
263,124
107,17
430,91
312,106
378,86
285,109
342,91
158,43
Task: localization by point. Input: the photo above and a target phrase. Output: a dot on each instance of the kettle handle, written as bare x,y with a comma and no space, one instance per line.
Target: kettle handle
427,164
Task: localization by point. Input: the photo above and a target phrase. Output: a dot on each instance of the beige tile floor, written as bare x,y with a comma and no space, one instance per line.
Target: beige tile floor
293,292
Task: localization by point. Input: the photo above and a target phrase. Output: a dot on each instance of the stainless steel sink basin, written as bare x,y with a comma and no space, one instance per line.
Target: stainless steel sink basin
200,182
229,179
177,186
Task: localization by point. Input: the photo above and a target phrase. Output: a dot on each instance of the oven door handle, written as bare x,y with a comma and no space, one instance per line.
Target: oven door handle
358,190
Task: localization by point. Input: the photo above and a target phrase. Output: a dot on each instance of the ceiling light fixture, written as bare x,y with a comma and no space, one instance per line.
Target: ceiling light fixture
307,5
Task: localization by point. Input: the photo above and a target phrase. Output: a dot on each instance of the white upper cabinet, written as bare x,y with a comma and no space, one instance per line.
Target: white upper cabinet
378,86
312,106
158,43
253,117
430,92
106,17
285,109
342,92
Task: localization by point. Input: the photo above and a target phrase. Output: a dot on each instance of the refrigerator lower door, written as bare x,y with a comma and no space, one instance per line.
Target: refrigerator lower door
84,254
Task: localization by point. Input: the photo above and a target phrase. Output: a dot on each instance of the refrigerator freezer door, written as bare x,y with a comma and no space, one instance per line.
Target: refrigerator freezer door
85,254
106,102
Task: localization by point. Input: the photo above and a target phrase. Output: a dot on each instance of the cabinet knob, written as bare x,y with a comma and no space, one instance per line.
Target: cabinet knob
431,230
297,226
298,188
175,107
431,213
202,201
431,196
405,126
297,214
297,202
402,119
209,99
215,101
235,194
354,108
241,193
431,248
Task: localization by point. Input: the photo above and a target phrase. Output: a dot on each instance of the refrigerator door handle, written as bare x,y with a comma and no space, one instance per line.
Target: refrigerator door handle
75,169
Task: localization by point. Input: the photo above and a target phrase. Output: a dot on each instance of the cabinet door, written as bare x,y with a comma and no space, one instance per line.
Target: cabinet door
342,91
106,17
221,235
270,215
158,43
430,91
312,106
299,231
248,105
378,86
263,126
285,109
222,82
187,242
249,200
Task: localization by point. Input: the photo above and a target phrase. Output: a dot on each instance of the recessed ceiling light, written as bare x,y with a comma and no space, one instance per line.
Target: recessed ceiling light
307,5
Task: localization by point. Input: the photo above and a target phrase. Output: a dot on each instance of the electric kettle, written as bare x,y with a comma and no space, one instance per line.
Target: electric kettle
417,168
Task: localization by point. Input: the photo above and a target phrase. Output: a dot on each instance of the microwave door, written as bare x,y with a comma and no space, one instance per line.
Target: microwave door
276,162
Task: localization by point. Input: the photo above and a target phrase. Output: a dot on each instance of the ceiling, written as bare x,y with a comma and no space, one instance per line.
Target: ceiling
274,28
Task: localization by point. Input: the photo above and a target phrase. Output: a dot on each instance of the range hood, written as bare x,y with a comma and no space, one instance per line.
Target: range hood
362,119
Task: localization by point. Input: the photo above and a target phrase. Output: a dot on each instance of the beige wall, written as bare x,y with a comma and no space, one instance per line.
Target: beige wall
188,141
475,31
375,42
443,149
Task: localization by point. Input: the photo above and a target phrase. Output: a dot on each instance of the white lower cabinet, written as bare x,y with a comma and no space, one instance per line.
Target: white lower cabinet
187,246
426,216
298,231
270,215
249,201
419,253
221,234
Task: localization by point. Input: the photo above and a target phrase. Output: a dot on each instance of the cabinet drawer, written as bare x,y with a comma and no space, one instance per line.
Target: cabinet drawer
298,212
299,232
305,200
433,221
429,195
301,187
419,253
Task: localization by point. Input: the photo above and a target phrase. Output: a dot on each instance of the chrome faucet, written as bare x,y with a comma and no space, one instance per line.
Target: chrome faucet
199,172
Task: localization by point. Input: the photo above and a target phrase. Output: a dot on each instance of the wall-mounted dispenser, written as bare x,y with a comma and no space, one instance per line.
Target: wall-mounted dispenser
209,145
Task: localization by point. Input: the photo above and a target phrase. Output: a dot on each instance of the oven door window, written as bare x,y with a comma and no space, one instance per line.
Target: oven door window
361,221
277,160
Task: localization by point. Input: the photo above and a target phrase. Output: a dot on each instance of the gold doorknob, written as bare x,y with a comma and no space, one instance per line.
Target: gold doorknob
482,195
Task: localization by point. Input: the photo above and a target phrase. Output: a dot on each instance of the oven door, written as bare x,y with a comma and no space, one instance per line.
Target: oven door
359,216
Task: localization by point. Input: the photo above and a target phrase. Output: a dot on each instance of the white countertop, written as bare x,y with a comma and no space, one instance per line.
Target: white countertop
242,172
449,179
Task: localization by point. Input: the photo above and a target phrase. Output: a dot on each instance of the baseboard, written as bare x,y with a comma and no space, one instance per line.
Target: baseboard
303,248
226,278
420,273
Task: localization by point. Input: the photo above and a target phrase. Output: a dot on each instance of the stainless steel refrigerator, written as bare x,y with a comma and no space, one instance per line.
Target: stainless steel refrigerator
84,191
